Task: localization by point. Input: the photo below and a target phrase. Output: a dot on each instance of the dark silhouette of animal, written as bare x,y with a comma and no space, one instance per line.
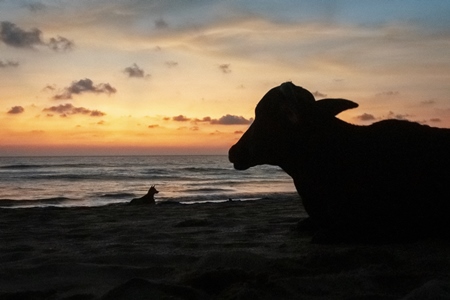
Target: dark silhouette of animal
147,199
387,180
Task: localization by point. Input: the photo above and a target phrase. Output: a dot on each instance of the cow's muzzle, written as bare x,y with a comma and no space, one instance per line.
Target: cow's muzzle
240,157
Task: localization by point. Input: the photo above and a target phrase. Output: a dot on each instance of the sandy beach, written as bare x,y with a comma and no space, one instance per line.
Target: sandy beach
231,250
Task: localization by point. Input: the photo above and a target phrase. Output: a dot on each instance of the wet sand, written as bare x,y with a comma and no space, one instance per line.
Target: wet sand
232,250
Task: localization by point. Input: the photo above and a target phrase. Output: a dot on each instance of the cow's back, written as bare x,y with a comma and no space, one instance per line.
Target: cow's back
390,174
409,149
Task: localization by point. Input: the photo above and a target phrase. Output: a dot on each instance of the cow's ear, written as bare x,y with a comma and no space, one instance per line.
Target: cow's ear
334,106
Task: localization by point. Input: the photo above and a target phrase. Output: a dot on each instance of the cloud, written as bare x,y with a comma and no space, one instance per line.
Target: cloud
181,118
435,120
388,94
171,63
8,64
96,113
36,6
153,126
318,94
392,115
14,36
15,110
225,68
135,71
60,44
224,120
83,86
161,24
232,120
205,119
49,87
428,102
68,109
365,117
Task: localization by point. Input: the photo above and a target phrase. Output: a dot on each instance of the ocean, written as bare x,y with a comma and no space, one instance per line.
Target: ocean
96,181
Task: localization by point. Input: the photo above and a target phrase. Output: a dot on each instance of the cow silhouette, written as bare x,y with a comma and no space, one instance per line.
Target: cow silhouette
390,179
147,199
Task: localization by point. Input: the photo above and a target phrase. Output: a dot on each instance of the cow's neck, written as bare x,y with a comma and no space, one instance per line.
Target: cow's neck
322,143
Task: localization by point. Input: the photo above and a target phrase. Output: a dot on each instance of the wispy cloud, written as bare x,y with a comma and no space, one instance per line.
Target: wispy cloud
84,86
161,24
171,63
8,64
225,68
388,94
49,87
68,109
392,115
428,102
36,6
318,94
60,44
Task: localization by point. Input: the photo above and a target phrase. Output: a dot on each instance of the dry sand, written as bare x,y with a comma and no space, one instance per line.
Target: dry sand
233,250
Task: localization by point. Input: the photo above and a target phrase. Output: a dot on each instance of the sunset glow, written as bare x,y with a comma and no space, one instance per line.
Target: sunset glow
183,77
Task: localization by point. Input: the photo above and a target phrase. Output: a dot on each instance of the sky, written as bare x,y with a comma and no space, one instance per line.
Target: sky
135,77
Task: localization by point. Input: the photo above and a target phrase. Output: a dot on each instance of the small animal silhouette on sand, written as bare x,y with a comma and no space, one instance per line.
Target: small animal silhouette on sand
147,199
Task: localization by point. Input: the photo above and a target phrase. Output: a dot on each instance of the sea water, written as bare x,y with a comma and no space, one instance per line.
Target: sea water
97,181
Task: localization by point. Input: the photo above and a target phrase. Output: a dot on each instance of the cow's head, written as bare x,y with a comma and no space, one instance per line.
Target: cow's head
281,114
